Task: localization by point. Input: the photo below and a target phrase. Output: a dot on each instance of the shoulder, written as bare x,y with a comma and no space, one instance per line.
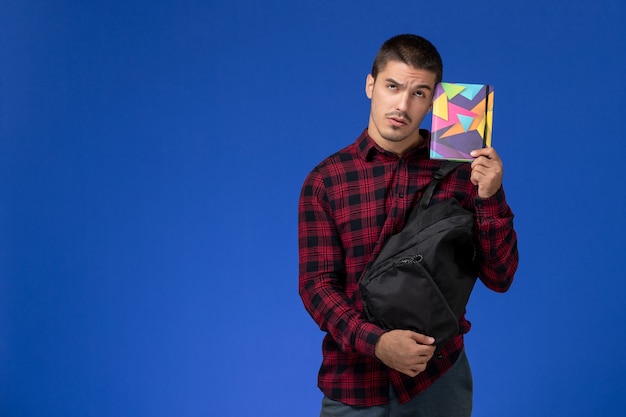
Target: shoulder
339,159
347,158
334,165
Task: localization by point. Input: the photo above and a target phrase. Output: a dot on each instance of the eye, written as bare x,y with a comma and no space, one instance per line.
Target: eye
420,94
392,86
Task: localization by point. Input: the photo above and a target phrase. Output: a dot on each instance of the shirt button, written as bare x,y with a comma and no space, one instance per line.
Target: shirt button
401,195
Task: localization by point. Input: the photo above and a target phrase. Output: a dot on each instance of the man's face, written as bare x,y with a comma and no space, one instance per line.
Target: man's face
400,97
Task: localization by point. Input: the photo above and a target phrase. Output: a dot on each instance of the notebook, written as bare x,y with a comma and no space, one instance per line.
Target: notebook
462,120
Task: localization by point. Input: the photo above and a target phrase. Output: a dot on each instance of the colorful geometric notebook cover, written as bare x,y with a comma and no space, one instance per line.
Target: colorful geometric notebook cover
462,120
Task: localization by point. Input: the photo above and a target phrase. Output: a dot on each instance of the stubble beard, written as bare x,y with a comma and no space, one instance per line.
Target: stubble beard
396,134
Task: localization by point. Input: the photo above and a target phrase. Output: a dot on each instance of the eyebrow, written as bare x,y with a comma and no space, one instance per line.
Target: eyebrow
422,86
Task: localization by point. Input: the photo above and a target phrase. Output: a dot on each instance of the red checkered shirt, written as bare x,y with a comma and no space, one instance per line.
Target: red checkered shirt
351,200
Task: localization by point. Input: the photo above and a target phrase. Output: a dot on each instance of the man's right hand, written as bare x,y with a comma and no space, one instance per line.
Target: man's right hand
405,351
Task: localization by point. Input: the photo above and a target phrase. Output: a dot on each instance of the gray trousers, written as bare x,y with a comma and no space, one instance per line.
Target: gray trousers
449,396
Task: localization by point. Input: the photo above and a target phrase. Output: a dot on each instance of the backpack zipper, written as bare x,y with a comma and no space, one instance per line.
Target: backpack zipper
415,259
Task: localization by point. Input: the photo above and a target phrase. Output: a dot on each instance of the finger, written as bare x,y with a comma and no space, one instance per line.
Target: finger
489,153
482,162
420,367
486,167
479,172
415,370
422,339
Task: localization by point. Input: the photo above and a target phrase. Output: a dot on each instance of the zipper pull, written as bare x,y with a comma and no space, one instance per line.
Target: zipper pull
415,259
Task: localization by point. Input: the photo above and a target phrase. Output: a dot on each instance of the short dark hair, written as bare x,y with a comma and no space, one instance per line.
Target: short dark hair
412,50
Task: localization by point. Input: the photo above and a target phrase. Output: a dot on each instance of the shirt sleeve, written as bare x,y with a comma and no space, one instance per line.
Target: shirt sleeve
322,278
497,240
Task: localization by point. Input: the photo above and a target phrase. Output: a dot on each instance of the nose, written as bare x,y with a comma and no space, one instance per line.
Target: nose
403,102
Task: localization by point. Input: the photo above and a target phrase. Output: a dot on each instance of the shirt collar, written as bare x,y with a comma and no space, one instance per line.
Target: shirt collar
367,148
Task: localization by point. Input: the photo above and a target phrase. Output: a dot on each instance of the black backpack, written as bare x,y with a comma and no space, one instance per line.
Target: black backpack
423,276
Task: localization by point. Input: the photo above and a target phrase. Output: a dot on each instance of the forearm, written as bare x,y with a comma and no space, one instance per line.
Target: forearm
497,242
335,313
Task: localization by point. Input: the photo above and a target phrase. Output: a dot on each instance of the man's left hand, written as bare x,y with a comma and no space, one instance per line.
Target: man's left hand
486,172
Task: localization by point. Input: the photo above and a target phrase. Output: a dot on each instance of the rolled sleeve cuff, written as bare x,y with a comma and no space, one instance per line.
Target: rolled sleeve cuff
494,206
367,337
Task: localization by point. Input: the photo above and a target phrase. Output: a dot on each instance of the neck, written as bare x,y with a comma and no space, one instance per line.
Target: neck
398,147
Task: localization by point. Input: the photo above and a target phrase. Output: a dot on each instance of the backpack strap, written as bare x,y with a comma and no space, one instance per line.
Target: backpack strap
446,168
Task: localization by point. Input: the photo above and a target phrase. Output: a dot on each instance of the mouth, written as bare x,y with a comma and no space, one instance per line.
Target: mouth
397,121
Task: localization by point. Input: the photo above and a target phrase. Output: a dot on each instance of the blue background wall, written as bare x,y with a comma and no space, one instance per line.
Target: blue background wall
151,157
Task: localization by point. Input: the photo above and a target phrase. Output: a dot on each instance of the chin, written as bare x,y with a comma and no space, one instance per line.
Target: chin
396,137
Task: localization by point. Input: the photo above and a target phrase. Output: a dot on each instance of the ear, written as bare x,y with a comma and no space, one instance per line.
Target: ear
369,86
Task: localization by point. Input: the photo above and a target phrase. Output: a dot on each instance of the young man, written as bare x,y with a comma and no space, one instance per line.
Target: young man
363,194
